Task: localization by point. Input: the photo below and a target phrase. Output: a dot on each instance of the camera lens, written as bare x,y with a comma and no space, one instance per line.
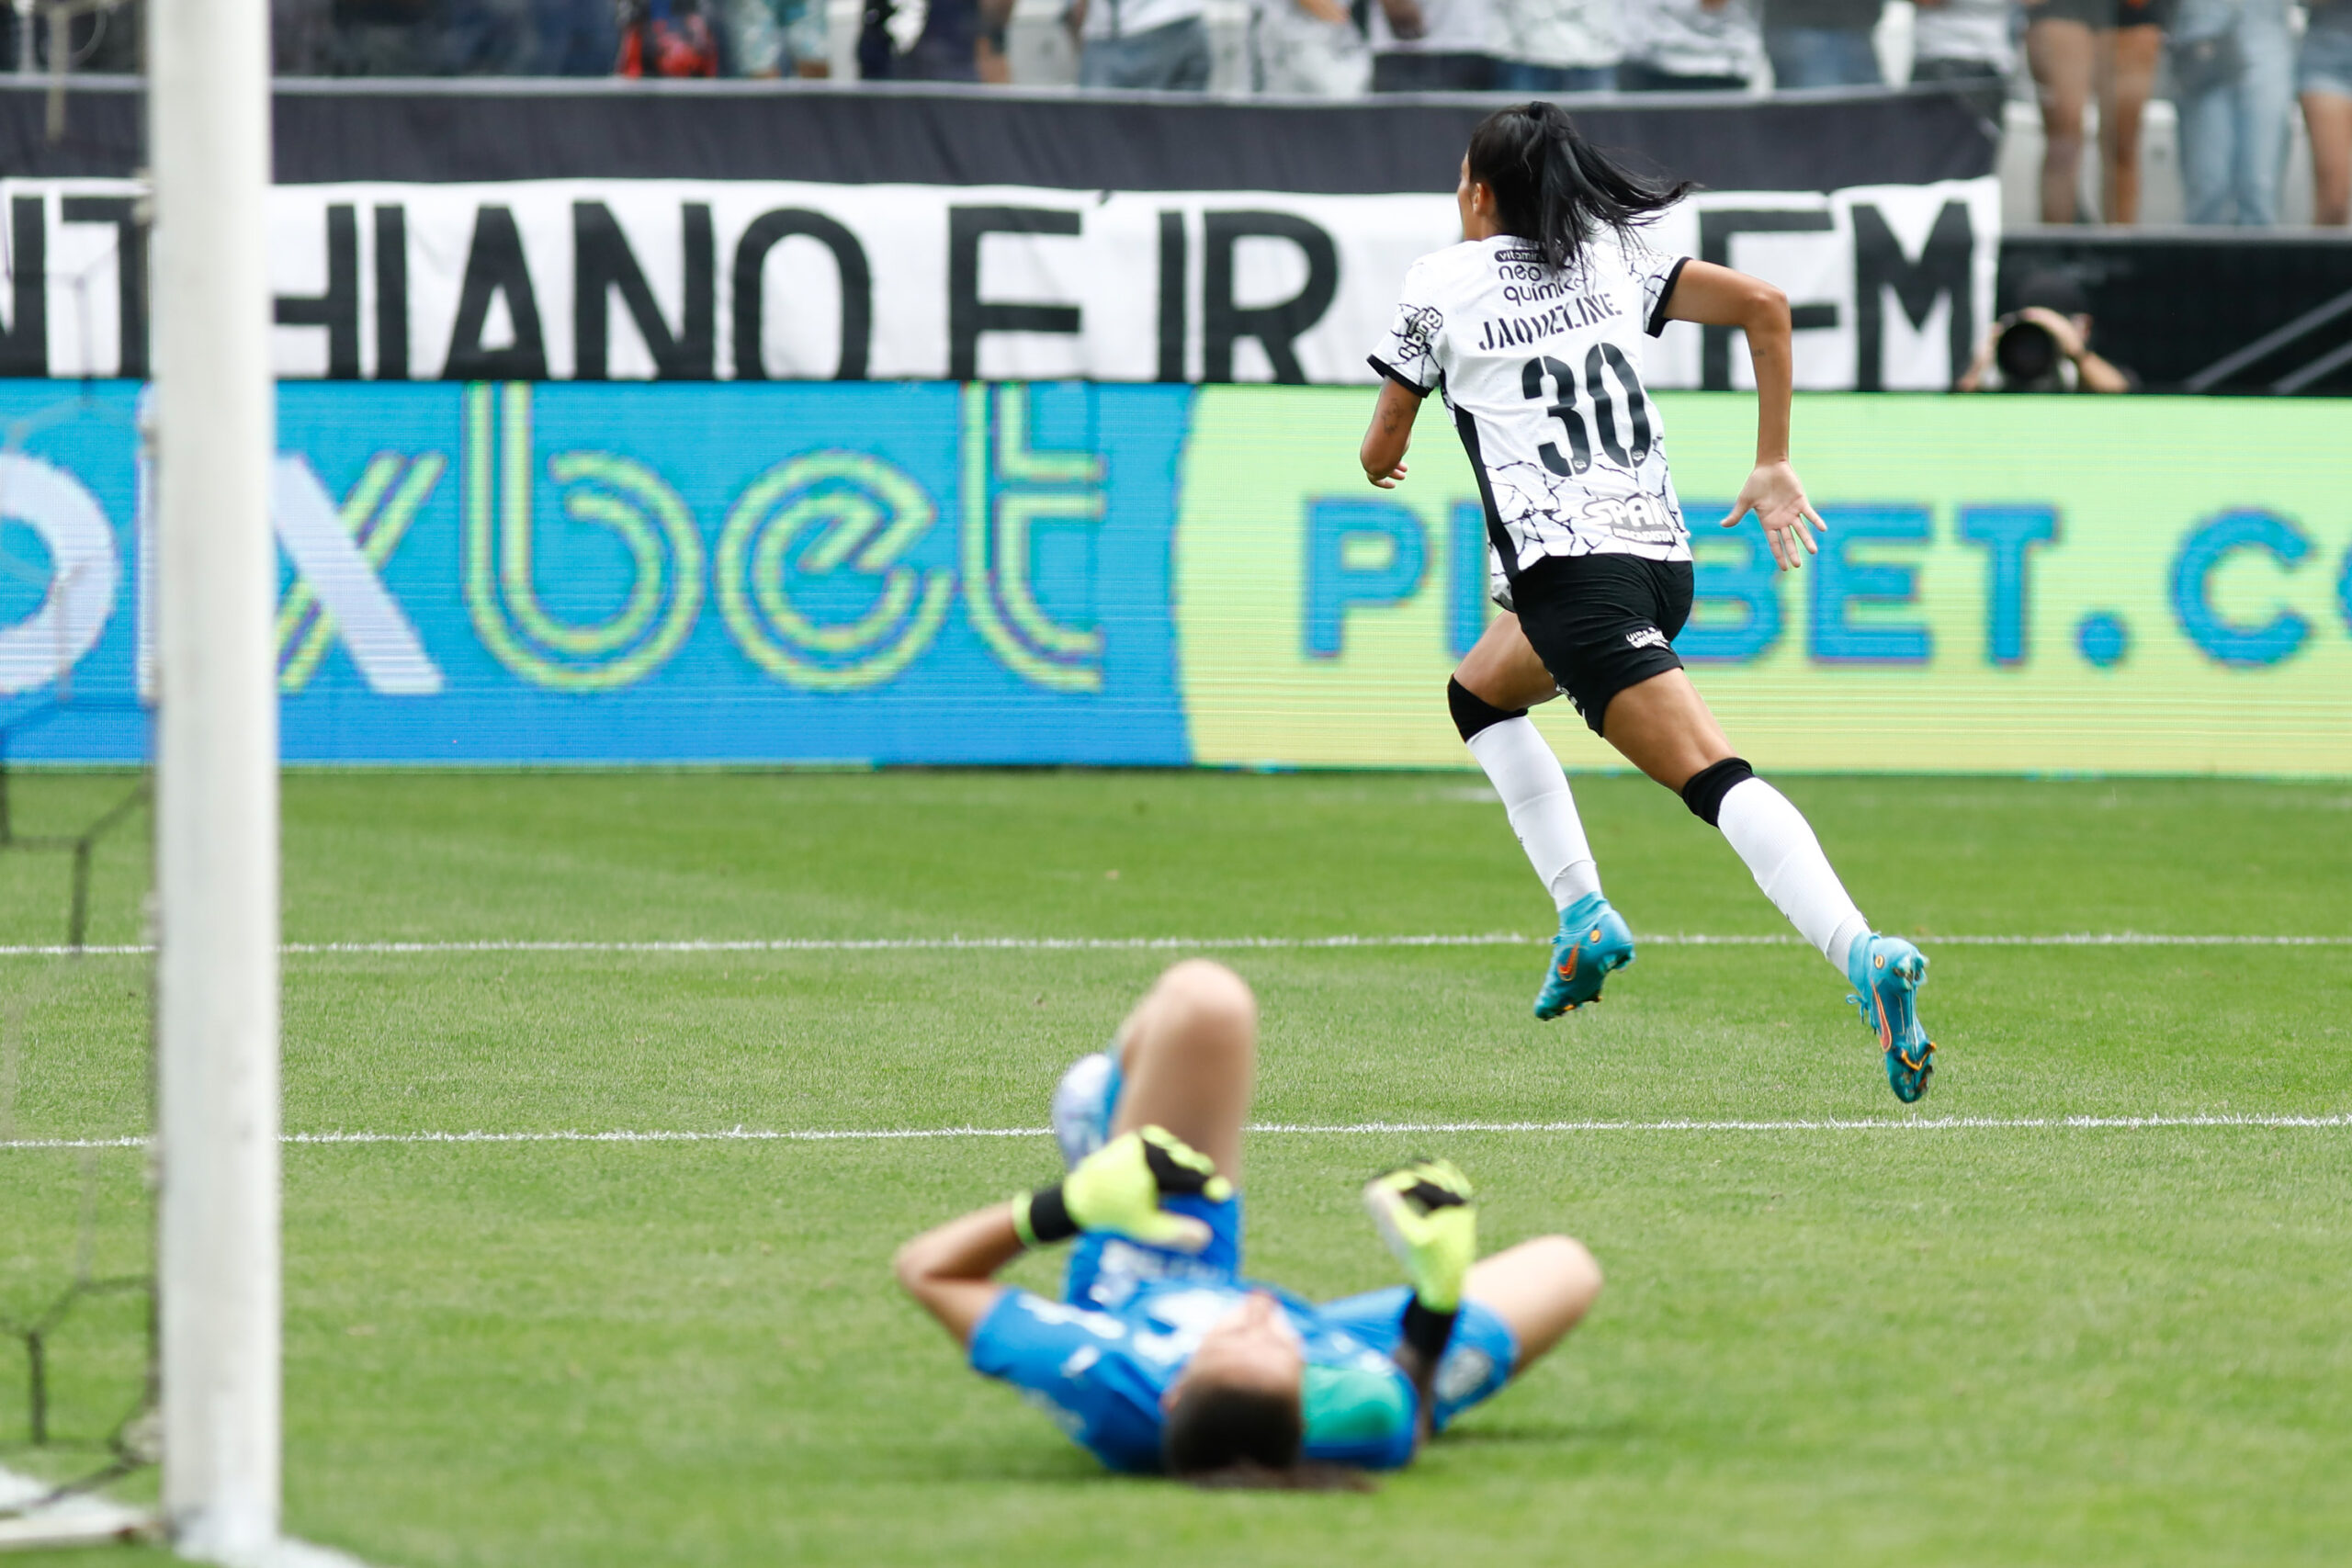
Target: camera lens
2025,353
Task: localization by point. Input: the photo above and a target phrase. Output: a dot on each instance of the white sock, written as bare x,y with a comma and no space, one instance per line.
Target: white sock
1543,812
1774,839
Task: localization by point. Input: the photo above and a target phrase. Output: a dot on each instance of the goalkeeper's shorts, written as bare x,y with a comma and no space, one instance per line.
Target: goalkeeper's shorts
1106,1271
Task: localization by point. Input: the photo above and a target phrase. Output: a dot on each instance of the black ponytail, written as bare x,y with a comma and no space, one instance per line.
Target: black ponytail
1552,188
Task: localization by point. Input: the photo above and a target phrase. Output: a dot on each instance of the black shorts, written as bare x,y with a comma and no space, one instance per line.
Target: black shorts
2098,14
1602,623
1404,70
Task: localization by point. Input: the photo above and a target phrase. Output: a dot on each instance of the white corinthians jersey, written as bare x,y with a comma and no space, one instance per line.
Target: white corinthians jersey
1541,371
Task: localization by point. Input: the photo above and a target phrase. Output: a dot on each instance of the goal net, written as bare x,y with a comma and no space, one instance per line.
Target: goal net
76,1069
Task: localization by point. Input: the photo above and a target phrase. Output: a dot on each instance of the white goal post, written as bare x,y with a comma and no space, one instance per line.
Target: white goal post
213,440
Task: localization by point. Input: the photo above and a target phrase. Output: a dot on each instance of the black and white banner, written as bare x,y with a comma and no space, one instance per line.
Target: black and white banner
751,280
579,233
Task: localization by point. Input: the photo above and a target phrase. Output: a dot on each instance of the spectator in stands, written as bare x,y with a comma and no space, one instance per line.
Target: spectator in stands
963,41
2326,82
669,38
2071,45
994,54
1307,49
1965,44
1434,46
301,37
1822,43
2233,79
577,38
947,40
779,38
388,37
489,38
1560,46
2044,346
105,39
1688,46
1141,44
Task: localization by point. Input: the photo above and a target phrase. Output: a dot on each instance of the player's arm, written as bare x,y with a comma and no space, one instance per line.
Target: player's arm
951,1270
1718,297
1391,432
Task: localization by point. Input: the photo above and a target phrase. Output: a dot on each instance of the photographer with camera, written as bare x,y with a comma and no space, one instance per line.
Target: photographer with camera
2044,346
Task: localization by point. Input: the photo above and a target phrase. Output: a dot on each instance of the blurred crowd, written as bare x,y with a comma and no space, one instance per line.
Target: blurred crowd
2233,68
549,38
2237,71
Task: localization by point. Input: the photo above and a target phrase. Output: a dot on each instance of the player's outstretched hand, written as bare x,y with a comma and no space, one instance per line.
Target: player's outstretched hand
1428,1214
1119,1188
1777,497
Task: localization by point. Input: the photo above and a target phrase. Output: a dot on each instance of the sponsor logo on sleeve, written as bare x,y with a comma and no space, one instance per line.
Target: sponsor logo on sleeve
1416,329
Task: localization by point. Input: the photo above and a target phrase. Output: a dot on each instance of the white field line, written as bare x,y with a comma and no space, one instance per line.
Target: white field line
1156,943
1348,1129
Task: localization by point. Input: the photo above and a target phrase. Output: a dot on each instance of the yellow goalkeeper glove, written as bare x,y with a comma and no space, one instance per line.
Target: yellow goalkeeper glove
1429,1216
1119,1188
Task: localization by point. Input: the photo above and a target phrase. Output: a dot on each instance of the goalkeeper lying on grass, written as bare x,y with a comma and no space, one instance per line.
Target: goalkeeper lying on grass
1161,1356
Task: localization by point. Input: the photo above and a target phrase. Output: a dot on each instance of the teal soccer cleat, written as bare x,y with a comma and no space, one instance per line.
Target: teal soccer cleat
1887,973
1593,940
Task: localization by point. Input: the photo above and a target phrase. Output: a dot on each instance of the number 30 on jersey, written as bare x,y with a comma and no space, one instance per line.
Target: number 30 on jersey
1605,359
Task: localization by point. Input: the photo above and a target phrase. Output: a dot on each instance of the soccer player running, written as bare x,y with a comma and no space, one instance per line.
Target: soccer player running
1161,1356
1529,327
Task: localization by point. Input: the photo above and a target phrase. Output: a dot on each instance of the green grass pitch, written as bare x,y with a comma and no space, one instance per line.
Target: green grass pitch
1966,1345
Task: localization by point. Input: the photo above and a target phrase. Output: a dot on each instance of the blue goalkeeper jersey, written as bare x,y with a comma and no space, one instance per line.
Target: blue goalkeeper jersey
1101,1374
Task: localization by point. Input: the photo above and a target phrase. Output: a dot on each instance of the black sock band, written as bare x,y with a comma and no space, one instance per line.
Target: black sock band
1045,1218
1428,1332
1473,713
1705,794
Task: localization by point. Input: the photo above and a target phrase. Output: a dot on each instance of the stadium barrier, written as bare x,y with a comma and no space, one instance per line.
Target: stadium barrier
558,231
1080,573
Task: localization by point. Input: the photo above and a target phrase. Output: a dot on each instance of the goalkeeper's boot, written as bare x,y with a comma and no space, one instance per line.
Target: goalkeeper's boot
1593,940
1084,1103
1887,973
1429,1216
